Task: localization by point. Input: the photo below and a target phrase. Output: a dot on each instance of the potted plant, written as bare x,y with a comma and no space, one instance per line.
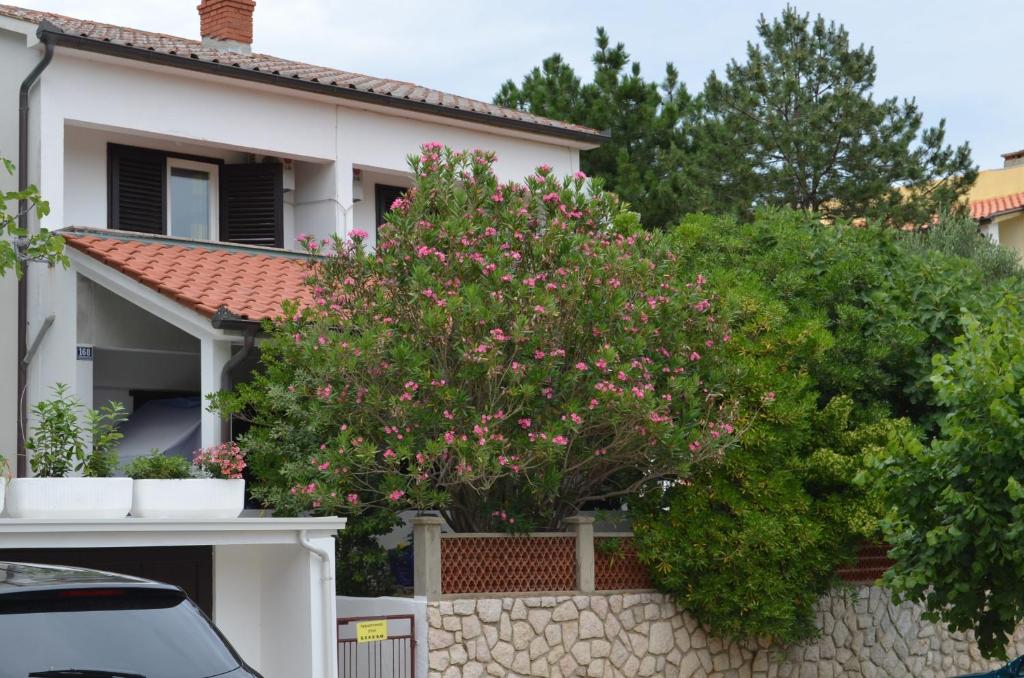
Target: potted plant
171,487
61,445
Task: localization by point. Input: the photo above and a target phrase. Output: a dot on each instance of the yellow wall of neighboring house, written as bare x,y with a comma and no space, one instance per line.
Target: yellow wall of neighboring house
1011,232
996,182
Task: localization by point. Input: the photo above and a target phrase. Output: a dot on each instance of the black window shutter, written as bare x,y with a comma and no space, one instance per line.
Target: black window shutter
137,179
252,204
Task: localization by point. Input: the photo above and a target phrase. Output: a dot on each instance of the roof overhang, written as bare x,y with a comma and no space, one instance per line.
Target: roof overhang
146,298
585,140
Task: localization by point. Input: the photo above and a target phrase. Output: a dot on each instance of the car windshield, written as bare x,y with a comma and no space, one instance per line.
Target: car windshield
157,636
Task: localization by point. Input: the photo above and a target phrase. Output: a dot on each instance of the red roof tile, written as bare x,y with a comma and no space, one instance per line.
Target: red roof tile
250,282
982,209
341,81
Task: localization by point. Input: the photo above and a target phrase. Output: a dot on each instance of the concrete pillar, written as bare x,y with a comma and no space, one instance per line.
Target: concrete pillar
213,355
583,527
343,175
426,542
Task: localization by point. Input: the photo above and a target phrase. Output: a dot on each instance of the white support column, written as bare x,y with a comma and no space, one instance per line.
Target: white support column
991,229
83,377
48,174
343,176
323,619
52,291
213,355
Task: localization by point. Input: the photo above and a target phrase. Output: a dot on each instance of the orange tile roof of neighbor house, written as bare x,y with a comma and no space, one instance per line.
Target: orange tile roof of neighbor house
249,282
183,53
983,209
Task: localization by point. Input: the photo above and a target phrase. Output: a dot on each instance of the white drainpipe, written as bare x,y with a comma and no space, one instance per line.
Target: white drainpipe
327,582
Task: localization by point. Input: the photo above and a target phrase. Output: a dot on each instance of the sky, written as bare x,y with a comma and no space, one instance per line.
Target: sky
962,60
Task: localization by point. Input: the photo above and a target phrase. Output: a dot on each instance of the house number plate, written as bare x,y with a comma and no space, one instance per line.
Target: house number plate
84,353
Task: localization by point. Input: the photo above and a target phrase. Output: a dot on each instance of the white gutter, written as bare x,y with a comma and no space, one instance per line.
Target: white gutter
327,582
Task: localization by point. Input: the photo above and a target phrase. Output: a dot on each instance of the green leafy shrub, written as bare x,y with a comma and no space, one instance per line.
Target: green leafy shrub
60,444
834,330
362,563
157,466
956,522
957,235
509,350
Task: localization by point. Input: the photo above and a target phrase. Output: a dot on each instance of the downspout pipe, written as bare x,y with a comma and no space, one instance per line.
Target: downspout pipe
327,582
45,33
248,342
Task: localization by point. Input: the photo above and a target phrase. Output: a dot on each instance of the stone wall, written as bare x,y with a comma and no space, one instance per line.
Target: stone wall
643,634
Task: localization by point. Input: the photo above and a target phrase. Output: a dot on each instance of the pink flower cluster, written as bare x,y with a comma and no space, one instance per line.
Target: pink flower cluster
226,460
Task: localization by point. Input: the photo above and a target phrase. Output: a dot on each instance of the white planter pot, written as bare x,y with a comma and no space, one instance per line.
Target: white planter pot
69,497
3,490
189,498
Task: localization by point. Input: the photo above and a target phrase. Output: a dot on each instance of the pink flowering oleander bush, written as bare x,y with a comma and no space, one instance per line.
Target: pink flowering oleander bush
509,352
226,460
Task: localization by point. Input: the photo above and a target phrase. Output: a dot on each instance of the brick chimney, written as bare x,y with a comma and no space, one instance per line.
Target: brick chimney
227,24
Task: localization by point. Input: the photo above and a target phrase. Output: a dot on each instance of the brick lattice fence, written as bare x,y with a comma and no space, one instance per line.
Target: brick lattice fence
450,564
508,564
871,563
616,566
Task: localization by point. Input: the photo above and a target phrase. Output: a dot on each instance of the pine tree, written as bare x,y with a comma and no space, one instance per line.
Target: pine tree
645,159
796,125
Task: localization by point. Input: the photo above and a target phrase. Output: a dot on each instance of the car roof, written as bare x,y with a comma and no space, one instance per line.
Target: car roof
24,577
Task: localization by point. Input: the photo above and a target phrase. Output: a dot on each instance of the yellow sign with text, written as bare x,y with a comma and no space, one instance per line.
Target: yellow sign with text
369,631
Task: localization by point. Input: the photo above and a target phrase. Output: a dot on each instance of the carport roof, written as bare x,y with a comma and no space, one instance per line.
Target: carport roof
248,282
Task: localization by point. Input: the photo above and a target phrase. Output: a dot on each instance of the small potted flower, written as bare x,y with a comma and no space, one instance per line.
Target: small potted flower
60,446
171,487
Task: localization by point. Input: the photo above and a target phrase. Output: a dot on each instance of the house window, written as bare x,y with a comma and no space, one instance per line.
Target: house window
385,196
161,193
191,199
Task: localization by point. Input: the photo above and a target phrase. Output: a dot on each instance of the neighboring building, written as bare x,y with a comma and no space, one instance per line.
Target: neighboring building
194,165
997,201
182,172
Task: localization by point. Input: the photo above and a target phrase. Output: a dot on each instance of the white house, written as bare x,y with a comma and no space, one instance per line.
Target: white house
182,172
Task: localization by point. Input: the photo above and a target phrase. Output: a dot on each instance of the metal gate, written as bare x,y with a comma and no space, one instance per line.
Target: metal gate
363,653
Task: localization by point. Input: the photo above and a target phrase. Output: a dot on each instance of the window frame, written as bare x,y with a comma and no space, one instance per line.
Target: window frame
114,148
213,170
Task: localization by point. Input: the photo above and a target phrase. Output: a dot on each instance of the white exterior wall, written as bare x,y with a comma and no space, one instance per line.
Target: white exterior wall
991,230
17,62
85,169
94,100
256,591
84,101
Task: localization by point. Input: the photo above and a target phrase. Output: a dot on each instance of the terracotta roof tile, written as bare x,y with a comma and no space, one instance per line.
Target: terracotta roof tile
146,41
249,283
983,209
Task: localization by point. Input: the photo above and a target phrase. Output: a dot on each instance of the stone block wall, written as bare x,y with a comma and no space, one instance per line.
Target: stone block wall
644,634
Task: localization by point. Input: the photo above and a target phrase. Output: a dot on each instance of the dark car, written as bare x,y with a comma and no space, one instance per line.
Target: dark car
67,621
1013,669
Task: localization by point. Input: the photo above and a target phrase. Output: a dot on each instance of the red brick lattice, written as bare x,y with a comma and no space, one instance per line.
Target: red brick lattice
872,562
508,564
616,565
